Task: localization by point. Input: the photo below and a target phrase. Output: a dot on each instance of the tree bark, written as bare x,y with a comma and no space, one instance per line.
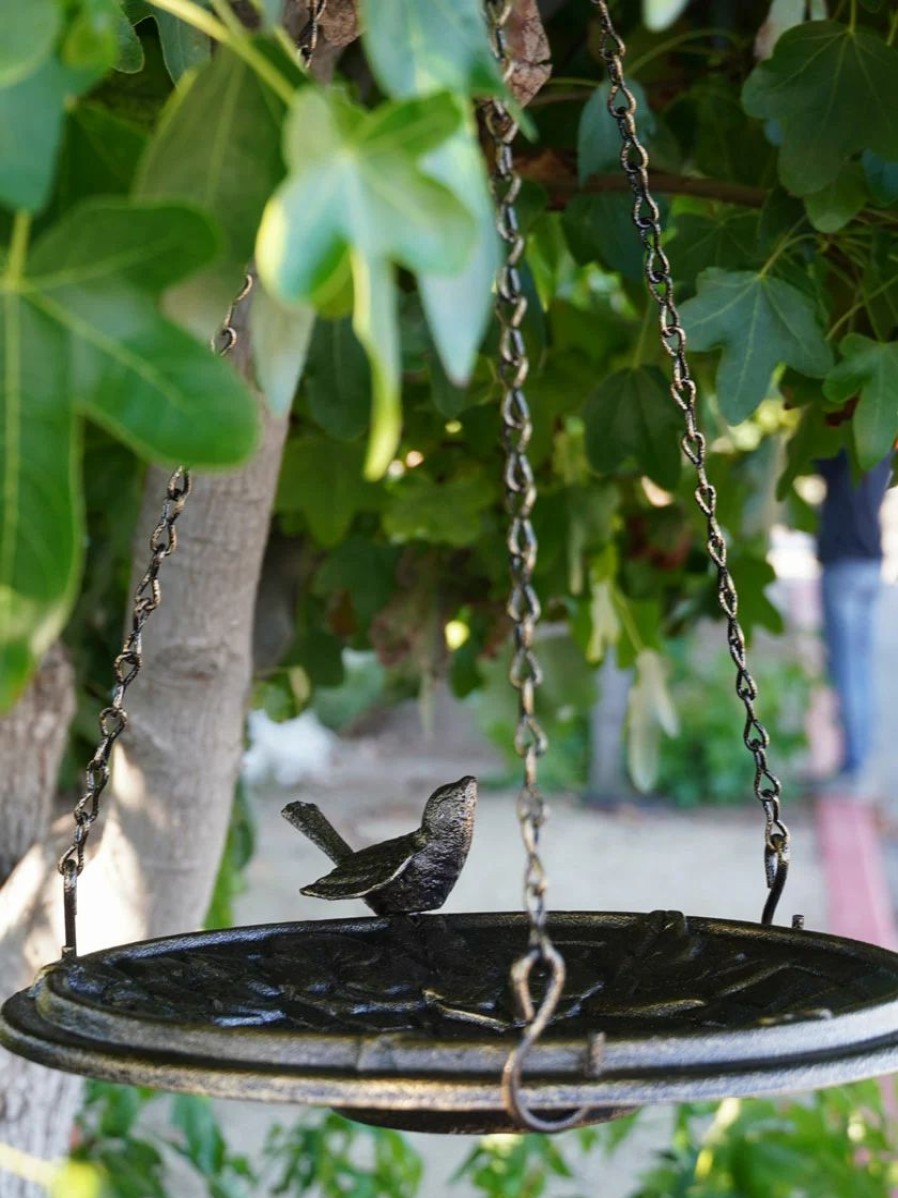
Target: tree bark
175,768
36,1105
167,809
32,739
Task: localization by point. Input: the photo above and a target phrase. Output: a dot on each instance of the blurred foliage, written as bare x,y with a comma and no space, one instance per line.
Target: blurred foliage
789,295
837,1143
704,762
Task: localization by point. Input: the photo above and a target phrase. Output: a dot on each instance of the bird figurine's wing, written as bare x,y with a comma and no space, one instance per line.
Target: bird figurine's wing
366,871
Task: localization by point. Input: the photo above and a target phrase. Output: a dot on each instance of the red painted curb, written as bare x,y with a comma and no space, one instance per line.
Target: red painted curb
859,904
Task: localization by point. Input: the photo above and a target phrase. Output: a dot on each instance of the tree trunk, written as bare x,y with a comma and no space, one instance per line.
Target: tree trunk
175,768
165,816
36,1105
32,739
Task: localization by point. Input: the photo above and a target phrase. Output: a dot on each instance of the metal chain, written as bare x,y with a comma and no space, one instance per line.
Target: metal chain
646,218
308,38
523,605
114,718
163,542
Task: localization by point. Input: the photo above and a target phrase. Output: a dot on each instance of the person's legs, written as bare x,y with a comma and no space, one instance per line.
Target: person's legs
850,589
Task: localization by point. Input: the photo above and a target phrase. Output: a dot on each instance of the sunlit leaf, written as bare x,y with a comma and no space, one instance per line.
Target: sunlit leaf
218,146
650,714
604,620
78,1179
659,14
415,49
459,305
356,180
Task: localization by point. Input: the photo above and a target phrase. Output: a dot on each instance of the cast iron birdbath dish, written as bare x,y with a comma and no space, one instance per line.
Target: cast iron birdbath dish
407,1021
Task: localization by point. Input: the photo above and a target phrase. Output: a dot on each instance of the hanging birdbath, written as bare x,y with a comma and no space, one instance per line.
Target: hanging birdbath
475,1022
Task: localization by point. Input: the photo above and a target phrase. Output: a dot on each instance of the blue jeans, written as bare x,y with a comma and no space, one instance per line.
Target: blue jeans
850,590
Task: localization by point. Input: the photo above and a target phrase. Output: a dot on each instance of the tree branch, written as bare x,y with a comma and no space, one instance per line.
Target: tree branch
562,187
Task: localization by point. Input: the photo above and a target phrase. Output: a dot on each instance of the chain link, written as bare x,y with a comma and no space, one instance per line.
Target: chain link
646,218
113,719
523,605
308,38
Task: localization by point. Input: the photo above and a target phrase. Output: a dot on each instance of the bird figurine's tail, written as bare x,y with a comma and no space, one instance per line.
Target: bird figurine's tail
310,820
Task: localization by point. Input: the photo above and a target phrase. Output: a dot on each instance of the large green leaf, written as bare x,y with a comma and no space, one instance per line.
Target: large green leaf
831,208
633,416
90,40
35,93
868,369
728,239
280,338
821,78
415,49
80,334
40,533
357,195
27,33
322,480
131,57
183,46
458,306
31,115
99,156
218,146
725,144
759,321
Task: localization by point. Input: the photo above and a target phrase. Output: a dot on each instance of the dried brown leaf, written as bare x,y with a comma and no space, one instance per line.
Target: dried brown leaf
528,47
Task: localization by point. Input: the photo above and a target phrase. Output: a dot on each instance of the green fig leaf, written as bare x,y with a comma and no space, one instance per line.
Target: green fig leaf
759,321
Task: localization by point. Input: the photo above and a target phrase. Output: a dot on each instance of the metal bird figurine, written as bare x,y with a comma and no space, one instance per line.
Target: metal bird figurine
410,873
